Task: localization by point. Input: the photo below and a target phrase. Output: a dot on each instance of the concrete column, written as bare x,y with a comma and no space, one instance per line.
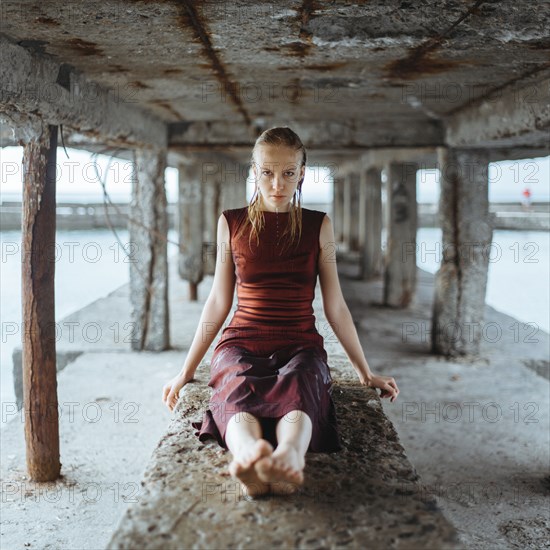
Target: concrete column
211,183
233,185
191,265
354,183
461,280
371,202
149,265
400,260
346,218
338,208
38,227
362,222
385,202
223,181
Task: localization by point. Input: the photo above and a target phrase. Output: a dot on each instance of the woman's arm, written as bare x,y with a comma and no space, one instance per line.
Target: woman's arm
339,316
334,305
218,304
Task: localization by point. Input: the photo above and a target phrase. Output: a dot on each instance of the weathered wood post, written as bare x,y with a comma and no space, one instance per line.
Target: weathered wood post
38,227
149,259
461,281
400,260
191,264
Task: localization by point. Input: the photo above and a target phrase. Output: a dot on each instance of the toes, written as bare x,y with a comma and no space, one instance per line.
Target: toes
263,468
298,477
261,449
251,485
244,464
288,473
268,471
235,468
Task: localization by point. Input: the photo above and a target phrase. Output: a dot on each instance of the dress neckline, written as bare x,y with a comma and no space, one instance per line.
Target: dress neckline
270,212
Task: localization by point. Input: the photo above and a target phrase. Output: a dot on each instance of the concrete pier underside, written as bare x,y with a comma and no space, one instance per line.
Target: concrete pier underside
367,86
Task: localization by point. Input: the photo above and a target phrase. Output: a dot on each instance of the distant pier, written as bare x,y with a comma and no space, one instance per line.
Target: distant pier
82,216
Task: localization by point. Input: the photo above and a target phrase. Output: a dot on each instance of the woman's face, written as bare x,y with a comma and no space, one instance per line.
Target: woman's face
277,171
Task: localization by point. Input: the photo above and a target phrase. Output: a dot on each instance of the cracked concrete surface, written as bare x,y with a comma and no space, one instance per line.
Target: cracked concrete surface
364,496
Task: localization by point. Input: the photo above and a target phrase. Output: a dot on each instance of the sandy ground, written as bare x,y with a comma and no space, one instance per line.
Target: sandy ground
476,431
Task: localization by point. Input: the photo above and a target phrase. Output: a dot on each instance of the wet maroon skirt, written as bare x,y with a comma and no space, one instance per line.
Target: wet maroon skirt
295,377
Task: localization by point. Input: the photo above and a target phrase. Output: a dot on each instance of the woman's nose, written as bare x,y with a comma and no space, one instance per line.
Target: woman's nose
277,183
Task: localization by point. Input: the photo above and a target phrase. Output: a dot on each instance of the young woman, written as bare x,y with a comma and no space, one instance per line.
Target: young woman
272,387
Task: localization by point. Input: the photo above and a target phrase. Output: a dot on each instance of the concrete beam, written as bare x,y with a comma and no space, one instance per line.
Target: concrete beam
425,157
519,153
510,117
59,94
315,134
336,160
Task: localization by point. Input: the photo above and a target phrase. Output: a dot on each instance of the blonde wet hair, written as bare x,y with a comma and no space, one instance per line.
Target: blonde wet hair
285,137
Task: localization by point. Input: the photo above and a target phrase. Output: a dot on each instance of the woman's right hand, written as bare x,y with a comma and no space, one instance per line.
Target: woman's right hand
170,391
385,383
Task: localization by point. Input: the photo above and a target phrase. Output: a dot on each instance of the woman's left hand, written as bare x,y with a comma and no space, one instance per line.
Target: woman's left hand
385,383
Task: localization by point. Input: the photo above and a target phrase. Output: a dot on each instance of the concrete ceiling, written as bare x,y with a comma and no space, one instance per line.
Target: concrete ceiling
344,75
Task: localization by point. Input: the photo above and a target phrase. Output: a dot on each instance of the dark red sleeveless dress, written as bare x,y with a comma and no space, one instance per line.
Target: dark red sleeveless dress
271,359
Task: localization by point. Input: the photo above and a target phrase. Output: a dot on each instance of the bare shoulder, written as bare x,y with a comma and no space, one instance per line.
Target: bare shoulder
326,234
223,224
223,233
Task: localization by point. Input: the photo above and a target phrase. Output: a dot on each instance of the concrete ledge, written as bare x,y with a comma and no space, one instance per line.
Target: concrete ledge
364,496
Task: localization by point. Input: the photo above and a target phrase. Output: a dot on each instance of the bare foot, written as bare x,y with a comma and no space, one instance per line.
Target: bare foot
243,467
283,469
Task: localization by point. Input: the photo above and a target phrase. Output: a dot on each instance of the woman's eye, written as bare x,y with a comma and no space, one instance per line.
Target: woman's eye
266,172
290,174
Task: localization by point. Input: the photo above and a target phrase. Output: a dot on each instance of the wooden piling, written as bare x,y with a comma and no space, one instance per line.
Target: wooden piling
38,305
